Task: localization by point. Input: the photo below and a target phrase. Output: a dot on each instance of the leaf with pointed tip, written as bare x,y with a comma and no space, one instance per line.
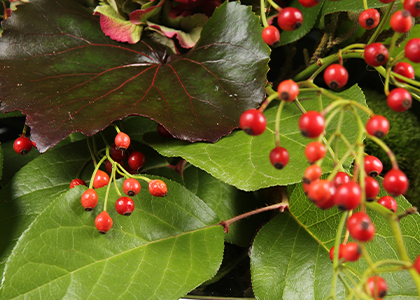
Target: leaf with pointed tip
66,76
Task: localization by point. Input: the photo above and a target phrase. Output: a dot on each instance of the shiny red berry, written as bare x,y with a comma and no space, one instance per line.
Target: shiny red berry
22,145
329,202
89,199
341,178
373,165
412,50
388,202
361,227
376,287
76,182
279,157
336,76
377,126
376,54
311,124
371,188
288,90
163,132
416,264
404,69
131,187
117,154
253,122
340,252
315,151
320,190
290,18
369,18
309,3
122,141
348,196
136,160
158,188
101,179
413,6
395,182
103,222
312,173
401,21
271,35
399,100
351,252
124,206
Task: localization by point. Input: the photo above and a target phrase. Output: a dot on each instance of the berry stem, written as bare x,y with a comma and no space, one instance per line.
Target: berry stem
92,153
346,285
83,167
262,13
384,146
392,46
274,5
273,95
381,25
25,128
365,5
116,127
278,115
96,170
340,163
107,189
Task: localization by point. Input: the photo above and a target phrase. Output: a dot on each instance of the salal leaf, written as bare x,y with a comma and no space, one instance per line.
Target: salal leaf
243,161
164,249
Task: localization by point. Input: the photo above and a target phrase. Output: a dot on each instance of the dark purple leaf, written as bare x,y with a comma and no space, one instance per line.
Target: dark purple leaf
59,69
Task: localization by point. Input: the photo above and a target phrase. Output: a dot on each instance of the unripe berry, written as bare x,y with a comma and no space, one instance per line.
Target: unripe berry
253,122
271,35
290,18
288,90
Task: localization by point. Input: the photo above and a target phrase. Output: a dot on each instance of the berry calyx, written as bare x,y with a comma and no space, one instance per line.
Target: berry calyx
377,126
412,50
401,21
136,160
101,179
369,18
309,3
361,227
22,145
348,196
312,173
376,287
290,19
341,178
89,199
163,132
271,35
124,206
371,189
399,100
388,202
158,188
122,141
395,182
376,54
413,6
253,122
117,154
103,222
336,76
311,124
279,157
76,182
351,252
315,151
131,187
373,165
405,69
340,252
288,90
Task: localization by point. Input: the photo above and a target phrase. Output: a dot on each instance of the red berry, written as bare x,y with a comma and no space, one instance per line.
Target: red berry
348,196
290,18
340,252
373,165
328,203
158,188
116,154
22,145
416,264
122,141
76,182
320,191
288,90
279,157
131,187
395,182
124,206
369,18
103,222
341,178
101,179
89,199
163,132
312,173
336,76
136,160
371,188
253,122
351,252
389,203
404,69
108,166
311,124
315,151
377,126
413,6
361,227
309,3
399,100
401,21
271,35
376,54
412,50
376,287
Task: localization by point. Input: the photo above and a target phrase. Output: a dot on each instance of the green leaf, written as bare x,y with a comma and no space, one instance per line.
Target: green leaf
288,263
11,114
243,161
348,5
79,74
164,249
